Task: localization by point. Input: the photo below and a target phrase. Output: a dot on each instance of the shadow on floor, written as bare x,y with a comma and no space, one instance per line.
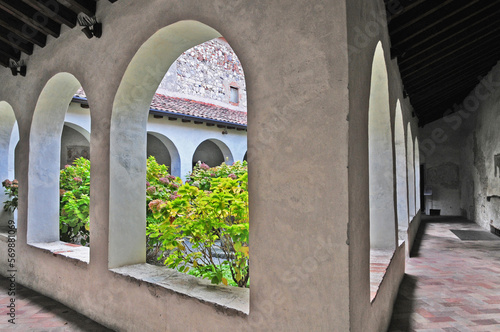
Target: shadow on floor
404,306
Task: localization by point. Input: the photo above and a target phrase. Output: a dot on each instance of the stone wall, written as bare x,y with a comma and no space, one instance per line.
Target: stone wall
479,118
207,72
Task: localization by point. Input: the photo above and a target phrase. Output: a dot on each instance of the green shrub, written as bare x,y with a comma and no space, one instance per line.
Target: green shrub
198,222
160,185
75,201
12,192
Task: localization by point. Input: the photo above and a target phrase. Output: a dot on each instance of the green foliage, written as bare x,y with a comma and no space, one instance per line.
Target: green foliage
198,222
202,174
206,271
160,185
12,192
75,201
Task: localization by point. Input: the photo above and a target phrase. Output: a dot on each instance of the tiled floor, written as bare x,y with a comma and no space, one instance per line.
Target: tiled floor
37,313
450,284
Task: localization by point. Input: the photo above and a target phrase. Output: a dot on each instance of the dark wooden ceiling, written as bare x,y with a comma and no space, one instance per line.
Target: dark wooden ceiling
25,23
443,49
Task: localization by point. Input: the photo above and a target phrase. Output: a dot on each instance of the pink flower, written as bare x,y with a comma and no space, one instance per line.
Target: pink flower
232,176
164,180
204,166
7,183
175,185
213,175
67,166
172,197
147,184
151,190
171,177
77,179
153,205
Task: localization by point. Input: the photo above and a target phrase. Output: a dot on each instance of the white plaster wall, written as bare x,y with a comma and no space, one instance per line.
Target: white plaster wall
287,202
440,144
187,136
367,26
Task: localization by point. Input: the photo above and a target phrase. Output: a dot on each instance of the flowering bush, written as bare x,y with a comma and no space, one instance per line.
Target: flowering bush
202,174
160,185
198,223
11,190
75,200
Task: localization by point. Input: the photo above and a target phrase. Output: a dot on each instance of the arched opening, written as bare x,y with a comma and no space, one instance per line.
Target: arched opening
75,143
401,184
127,226
46,137
165,152
213,152
411,172
381,176
8,131
417,177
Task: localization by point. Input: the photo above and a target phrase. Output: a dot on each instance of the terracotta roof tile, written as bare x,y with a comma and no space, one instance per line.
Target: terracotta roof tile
193,108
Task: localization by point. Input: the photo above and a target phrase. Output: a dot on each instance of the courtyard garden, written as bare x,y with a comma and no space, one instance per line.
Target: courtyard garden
199,226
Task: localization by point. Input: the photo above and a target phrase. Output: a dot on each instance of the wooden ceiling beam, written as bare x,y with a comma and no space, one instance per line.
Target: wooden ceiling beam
461,37
452,49
15,41
410,37
18,28
471,70
87,7
422,15
31,17
467,50
455,64
10,52
405,8
55,10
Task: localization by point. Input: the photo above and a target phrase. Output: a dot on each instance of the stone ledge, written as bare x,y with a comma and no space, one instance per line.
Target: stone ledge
73,251
226,297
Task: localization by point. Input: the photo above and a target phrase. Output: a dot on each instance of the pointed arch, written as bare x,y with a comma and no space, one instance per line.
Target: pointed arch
411,172
213,152
127,226
8,129
417,176
381,175
44,160
401,174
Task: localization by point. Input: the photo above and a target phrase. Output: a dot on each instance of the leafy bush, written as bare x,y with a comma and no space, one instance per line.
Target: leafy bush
12,192
198,222
160,185
75,200
202,174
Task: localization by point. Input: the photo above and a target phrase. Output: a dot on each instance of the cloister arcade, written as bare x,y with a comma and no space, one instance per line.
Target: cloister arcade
333,145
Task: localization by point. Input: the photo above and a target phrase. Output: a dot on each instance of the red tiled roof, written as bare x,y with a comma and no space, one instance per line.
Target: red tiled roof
192,108
198,109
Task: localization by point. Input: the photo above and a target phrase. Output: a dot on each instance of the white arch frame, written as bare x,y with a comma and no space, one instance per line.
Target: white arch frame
175,158
226,152
8,130
417,177
127,215
411,172
383,231
44,160
401,173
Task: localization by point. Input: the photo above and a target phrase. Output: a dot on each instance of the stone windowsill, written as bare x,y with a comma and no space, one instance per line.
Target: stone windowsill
227,297
69,250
